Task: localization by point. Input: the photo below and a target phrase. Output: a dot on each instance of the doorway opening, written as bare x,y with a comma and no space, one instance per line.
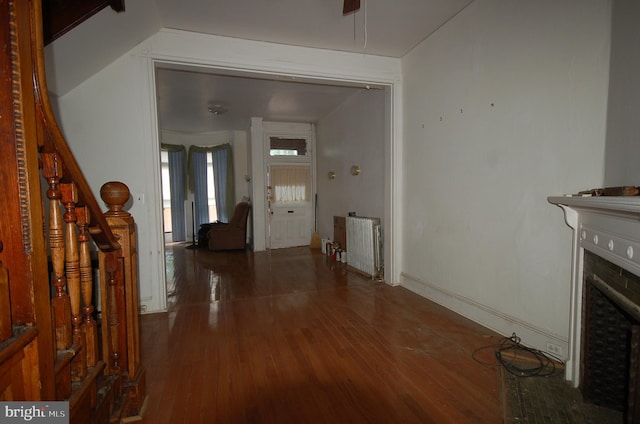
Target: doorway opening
290,187
237,122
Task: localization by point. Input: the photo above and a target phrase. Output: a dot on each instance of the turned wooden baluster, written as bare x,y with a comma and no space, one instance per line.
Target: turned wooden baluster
89,326
72,265
52,171
113,321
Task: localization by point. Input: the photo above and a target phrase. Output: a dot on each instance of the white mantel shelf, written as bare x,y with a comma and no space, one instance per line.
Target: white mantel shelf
608,226
622,204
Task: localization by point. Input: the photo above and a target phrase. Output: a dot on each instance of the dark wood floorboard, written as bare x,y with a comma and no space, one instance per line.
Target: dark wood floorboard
288,336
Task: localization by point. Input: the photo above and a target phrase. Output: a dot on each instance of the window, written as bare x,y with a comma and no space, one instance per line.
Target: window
166,191
211,189
279,146
290,183
283,152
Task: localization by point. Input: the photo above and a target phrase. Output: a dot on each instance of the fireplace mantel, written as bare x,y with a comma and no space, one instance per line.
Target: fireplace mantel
608,226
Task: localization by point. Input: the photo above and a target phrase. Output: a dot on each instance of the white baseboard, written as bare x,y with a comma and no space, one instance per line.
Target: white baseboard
503,324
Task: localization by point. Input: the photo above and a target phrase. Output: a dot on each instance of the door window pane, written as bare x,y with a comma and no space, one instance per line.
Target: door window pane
291,183
280,146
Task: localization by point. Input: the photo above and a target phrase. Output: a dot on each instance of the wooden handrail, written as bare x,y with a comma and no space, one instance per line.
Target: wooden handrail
53,142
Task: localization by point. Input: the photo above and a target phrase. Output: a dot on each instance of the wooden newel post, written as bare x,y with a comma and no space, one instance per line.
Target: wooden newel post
115,195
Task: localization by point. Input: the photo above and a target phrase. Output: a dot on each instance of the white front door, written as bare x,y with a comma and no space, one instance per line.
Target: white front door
290,205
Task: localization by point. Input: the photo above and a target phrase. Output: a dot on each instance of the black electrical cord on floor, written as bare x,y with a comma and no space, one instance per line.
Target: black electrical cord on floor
514,357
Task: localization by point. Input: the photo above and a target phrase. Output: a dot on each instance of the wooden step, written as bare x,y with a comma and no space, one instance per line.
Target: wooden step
83,400
63,371
96,399
108,406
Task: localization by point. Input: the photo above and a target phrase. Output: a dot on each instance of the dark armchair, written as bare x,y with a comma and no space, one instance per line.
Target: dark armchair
232,235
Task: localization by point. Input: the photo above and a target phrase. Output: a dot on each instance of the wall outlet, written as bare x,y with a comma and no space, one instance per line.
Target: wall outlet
554,349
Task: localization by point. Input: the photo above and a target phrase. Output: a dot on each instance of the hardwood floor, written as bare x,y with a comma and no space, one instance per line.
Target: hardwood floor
288,336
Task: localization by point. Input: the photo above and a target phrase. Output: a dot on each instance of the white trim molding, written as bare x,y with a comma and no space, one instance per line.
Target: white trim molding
493,319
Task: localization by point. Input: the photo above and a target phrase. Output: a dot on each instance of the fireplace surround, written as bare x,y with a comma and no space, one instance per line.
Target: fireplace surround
605,294
611,333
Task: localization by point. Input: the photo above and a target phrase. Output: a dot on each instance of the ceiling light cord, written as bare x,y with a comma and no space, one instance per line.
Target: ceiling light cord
364,48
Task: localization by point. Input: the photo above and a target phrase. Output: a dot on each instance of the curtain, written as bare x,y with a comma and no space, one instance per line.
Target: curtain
290,183
177,187
224,181
199,165
223,177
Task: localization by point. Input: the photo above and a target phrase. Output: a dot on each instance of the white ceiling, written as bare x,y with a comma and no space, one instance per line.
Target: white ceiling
381,27
393,27
185,95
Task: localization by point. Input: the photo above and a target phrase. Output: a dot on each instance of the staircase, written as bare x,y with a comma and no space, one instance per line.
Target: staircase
69,327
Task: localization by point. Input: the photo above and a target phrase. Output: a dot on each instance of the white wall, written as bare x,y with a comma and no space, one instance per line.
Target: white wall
352,134
74,57
504,106
110,120
623,125
105,121
241,168
258,182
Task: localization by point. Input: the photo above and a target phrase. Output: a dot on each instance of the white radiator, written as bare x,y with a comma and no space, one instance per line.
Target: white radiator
364,245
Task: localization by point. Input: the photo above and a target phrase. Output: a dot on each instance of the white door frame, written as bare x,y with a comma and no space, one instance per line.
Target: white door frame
287,130
292,62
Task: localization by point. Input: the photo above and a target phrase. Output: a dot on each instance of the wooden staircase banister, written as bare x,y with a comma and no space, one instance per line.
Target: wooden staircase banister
69,327
52,141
